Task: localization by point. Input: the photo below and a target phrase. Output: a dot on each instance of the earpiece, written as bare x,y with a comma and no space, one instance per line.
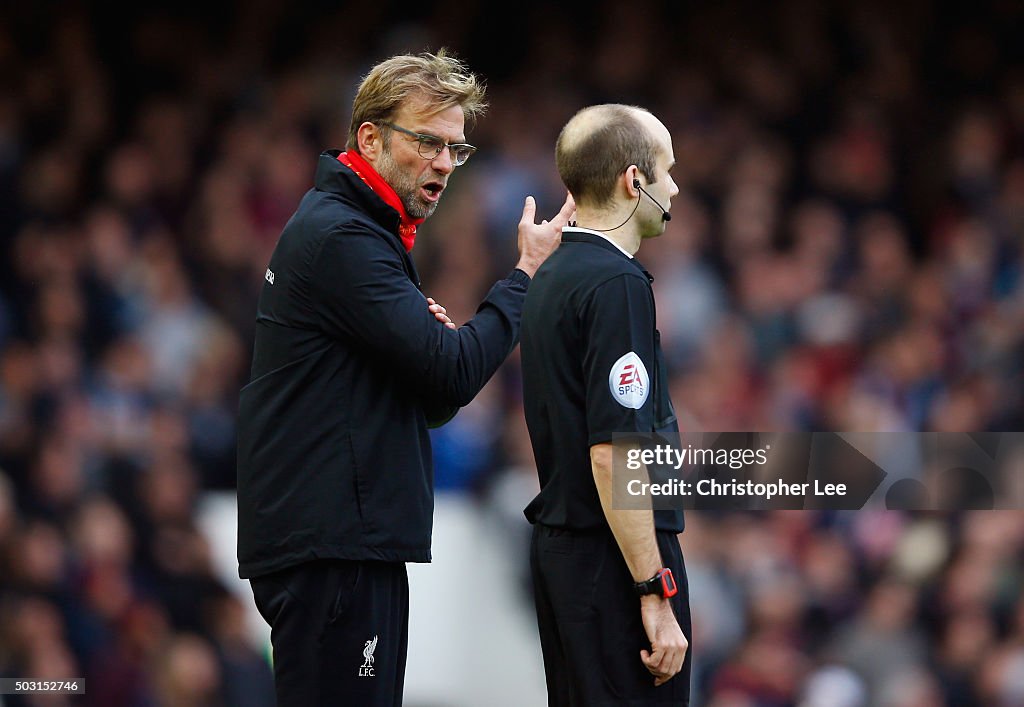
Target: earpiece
636,183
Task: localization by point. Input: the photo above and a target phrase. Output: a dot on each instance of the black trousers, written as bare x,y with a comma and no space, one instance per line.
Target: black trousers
591,631
340,631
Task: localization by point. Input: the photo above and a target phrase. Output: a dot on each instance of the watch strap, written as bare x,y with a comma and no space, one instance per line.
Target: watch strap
662,584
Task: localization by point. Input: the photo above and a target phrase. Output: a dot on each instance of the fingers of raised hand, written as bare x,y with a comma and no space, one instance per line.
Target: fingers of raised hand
529,211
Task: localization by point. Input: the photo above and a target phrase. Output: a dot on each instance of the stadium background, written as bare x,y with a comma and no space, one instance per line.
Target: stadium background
846,253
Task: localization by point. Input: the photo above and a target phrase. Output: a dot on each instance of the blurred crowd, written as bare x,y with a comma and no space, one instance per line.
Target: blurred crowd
845,254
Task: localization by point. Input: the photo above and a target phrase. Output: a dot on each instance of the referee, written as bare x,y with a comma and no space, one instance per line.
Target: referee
609,584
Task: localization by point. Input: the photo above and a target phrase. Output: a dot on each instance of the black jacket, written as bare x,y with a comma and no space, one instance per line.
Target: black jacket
349,367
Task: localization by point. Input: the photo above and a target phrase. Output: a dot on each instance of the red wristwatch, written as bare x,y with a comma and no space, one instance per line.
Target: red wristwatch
663,584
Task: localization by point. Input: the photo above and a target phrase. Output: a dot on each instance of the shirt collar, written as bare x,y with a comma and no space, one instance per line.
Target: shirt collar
575,234
591,231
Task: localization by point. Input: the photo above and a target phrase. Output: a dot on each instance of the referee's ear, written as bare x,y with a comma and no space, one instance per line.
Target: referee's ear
629,179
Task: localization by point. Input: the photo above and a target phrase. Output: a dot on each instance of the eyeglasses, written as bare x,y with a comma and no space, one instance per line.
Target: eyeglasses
430,146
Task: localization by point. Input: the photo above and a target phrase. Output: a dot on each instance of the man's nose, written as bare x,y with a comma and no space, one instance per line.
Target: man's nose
443,162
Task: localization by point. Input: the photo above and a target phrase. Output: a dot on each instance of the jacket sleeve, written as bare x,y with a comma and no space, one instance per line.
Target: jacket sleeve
361,291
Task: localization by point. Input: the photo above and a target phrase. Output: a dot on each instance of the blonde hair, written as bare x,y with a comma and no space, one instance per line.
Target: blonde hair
442,81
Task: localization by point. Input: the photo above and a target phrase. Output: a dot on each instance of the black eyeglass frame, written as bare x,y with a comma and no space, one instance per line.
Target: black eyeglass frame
432,143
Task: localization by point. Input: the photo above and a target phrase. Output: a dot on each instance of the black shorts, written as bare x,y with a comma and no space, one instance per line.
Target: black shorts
591,632
340,630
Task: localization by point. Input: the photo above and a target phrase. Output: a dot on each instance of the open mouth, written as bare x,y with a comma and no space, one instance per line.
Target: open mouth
432,191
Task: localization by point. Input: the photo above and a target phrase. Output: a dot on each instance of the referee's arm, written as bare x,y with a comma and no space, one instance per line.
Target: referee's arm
634,534
619,318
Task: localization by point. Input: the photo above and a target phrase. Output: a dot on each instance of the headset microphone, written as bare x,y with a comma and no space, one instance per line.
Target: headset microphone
665,215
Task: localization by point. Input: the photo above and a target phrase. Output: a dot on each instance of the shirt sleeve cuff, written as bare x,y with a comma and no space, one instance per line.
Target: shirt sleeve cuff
620,433
519,277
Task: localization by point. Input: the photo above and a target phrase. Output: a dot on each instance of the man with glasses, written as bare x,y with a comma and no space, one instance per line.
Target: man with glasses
351,365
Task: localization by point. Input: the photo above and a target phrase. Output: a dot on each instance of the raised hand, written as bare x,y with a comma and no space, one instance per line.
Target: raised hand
538,241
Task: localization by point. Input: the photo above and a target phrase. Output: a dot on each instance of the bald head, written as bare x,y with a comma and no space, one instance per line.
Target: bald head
599,143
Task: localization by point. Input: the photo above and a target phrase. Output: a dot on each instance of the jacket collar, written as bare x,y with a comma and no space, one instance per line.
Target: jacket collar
334,177
365,171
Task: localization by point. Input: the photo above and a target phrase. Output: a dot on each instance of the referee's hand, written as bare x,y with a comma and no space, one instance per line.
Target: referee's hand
538,241
668,644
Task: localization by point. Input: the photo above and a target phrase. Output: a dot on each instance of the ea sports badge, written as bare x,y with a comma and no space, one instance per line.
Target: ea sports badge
629,382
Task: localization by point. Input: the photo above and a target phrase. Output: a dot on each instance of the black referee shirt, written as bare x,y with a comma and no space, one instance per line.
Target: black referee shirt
592,371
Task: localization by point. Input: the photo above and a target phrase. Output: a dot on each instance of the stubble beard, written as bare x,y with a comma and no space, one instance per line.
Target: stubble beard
656,224
405,187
